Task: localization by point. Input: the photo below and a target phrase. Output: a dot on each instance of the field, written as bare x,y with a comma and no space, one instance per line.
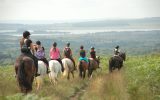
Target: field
138,80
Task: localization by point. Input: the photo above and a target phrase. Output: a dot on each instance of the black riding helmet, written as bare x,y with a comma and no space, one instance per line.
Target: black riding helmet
26,34
117,47
92,47
54,44
81,47
68,44
38,42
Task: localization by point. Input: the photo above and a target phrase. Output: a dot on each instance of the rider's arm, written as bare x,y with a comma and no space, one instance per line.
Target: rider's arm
21,43
59,53
32,48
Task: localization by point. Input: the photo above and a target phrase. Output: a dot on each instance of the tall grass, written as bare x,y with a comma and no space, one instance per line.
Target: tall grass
139,79
143,75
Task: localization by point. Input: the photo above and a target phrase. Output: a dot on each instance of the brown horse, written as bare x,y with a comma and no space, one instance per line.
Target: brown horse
93,65
83,66
115,62
25,71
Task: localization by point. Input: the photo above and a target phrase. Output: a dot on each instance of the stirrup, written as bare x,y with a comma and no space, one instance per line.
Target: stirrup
48,71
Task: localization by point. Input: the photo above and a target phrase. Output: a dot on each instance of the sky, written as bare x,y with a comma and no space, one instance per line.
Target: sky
77,9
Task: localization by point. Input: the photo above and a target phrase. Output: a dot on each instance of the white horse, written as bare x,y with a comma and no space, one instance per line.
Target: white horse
55,68
42,71
68,67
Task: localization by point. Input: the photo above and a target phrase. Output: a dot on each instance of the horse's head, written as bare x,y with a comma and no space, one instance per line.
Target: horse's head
122,55
98,60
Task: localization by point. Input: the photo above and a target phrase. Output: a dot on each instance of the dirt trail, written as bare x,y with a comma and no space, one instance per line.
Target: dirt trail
77,95
113,87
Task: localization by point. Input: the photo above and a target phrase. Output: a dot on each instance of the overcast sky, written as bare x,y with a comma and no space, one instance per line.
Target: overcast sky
77,9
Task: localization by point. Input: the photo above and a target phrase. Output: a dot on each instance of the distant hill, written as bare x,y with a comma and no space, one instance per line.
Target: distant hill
91,23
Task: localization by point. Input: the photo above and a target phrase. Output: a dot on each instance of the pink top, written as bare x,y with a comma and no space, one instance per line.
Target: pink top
54,54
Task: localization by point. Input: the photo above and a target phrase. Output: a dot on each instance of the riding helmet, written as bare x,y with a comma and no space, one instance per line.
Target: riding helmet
68,44
54,44
92,47
26,34
38,42
117,46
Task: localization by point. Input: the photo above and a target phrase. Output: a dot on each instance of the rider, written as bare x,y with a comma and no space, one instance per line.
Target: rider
93,53
116,50
40,54
68,53
27,48
83,54
55,54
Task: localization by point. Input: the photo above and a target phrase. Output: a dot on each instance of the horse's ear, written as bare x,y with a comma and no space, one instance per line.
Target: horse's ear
98,57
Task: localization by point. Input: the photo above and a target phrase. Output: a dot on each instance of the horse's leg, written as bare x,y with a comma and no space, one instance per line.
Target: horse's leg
84,73
80,72
72,74
89,72
68,77
110,68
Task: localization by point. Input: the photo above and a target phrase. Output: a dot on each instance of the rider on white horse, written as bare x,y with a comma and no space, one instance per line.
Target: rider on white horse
55,54
40,54
67,52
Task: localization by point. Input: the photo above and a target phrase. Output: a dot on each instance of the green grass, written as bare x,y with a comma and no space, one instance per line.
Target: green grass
139,79
143,77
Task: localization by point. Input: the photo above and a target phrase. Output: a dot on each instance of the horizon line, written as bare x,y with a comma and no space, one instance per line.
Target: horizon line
45,21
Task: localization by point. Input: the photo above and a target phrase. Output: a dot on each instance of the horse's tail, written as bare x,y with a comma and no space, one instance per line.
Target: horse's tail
22,75
89,63
111,62
124,56
65,65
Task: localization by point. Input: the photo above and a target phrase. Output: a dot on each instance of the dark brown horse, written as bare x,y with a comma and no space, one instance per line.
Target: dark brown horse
25,71
83,66
123,55
93,65
115,62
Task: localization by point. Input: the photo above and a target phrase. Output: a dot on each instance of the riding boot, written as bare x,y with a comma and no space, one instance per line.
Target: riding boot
37,74
48,71
62,68
73,63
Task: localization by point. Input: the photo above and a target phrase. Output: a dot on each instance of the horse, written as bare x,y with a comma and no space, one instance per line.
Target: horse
123,55
68,67
55,68
115,62
25,71
42,71
93,65
83,66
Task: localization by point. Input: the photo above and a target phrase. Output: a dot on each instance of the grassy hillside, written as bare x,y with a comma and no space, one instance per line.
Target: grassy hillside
139,79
